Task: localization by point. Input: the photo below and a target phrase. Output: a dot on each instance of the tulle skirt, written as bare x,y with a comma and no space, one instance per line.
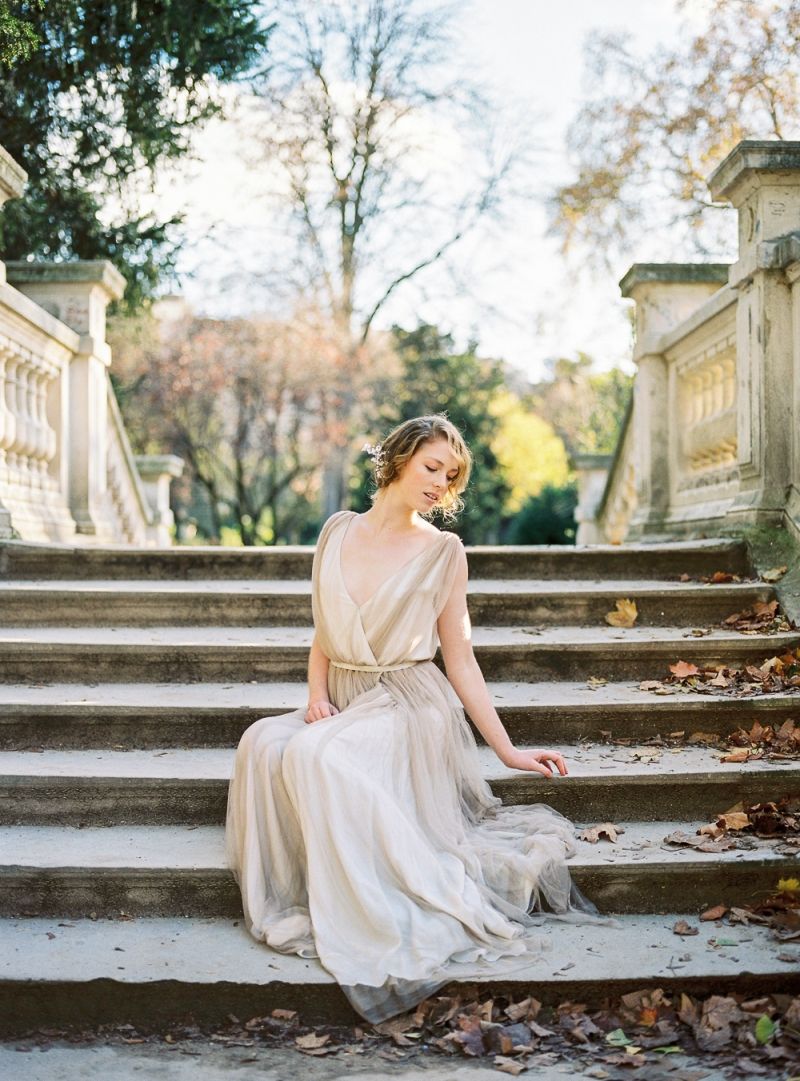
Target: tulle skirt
372,841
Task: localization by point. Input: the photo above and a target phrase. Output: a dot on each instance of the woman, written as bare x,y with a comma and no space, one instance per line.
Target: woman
360,828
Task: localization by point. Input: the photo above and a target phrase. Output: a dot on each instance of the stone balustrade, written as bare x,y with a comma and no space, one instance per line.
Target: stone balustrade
67,472
713,440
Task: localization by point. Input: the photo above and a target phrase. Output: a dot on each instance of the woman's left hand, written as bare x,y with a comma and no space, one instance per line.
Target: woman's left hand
545,762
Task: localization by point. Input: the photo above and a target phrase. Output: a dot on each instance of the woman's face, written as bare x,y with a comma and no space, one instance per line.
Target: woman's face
427,474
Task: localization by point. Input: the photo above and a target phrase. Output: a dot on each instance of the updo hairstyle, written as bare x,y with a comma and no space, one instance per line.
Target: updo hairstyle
402,443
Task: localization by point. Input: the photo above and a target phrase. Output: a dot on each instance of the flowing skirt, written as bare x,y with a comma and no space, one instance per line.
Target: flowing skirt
371,841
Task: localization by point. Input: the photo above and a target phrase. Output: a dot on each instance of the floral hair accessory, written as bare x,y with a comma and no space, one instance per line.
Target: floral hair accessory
376,454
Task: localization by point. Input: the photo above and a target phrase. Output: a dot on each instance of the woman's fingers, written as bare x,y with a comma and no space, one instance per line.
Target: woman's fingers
319,711
548,762
558,758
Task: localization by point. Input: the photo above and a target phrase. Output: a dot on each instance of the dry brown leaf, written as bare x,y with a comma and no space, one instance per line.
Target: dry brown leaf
715,913
604,829
733,820
711,830
683,928
509,1065
523,1011
624,615
684,669
311,1041
741,755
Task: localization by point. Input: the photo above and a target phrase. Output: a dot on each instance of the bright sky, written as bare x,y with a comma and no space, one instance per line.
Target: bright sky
534,305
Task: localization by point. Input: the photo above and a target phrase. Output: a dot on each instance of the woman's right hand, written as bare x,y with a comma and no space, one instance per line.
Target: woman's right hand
319,709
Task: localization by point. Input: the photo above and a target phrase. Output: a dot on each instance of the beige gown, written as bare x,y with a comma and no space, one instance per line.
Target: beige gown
370,839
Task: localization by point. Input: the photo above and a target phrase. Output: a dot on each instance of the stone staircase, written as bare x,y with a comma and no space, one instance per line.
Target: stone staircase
127,677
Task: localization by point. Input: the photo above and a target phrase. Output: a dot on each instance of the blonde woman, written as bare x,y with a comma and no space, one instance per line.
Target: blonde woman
360,829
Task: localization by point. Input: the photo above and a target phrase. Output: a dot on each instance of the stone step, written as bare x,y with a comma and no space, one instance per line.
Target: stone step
175,871
256,602
137,715
103,788
68,654
21,559
151,970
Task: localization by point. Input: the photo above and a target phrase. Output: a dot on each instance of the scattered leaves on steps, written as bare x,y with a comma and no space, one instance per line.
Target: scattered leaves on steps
757,1036
764,617
777,674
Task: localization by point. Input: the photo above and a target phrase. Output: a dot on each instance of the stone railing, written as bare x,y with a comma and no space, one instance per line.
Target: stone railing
713,442
66,468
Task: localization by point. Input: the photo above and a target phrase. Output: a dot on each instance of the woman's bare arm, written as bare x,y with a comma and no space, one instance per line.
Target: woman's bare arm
318,704
463,671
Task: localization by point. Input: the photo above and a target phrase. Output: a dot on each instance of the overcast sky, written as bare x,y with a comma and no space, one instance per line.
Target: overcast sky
536,304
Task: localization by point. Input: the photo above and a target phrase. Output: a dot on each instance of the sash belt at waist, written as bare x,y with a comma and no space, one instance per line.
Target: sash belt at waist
375,667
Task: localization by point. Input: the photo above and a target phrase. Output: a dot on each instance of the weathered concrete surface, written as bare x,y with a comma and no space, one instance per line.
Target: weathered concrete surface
136,715
262,602
35,654
190,785
23,560
153,714
201,1060
132,970
180,870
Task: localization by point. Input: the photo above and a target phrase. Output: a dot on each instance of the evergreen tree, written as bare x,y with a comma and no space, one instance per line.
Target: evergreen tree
94,95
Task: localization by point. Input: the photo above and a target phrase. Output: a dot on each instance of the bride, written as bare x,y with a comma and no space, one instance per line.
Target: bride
360,829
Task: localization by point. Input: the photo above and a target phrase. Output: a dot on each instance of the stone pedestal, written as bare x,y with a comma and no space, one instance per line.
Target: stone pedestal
762,180
78,294
665,294
156,471
592,471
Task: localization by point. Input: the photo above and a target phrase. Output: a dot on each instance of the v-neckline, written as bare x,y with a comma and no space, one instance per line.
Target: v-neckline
394,574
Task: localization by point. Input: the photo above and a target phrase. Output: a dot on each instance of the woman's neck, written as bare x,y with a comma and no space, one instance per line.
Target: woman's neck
385,517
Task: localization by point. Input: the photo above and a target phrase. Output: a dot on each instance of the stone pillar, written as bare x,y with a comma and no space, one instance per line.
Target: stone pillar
762,180
78,294
13,179
156,471
592,471
665,294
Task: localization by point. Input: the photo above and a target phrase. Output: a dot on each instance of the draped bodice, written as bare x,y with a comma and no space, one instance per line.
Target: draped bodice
397,624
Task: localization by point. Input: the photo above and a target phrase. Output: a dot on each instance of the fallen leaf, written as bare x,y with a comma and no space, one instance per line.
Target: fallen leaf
604,829
311,1041
765,1029
683,928
617,1038
715,913
508,1065
683,669
741,755
774,574
624,615
596,681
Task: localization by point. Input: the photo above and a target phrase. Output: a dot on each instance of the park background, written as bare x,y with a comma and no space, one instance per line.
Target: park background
332,217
